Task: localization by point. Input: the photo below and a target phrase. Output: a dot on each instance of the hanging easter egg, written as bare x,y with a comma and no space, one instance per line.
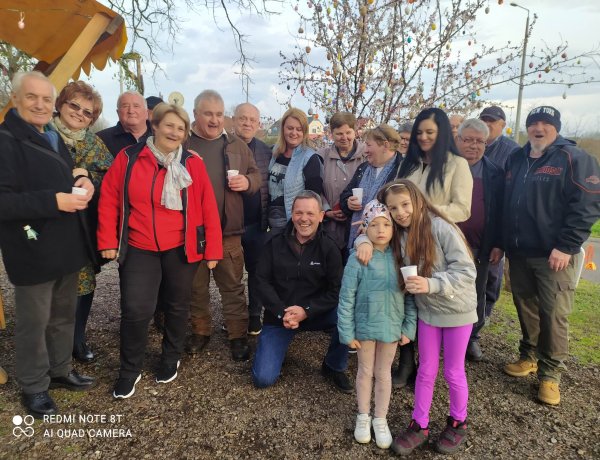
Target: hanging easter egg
565,95
300,30
547,69
370,71
474,62
473,96
310,111
288,87
363,10
307,49
478,93
500,2
578,61
539,75
408,40
21,24
447,46
370,2
335,3
509,131
363,87
395,65
327,73
411,1
331,26
296,8
469,43
387,90
447,54
329,57
319,8
310,5
407,10
349,105
433,27
564,55
487,10
531,65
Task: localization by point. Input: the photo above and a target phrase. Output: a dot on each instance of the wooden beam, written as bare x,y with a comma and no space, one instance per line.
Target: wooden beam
78,51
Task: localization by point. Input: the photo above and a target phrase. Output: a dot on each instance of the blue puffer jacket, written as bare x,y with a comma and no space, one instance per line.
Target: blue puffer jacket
371,306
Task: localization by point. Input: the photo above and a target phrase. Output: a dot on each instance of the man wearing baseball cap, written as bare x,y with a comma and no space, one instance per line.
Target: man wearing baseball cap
552,199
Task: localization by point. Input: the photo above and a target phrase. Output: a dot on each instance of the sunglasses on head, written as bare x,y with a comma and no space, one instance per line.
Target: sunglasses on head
77,108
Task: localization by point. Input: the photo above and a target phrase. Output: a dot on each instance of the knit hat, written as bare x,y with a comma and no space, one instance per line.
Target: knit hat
374,209
544,113
494,112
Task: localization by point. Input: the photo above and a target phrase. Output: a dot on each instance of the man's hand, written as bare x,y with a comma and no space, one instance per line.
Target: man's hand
354,344
69,202
294,315
354,204
109,254
212,264
403,340
86,183
496,256
558,260
336,215
364,252
239,183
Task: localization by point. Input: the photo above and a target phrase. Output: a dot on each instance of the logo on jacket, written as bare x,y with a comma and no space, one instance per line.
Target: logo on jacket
312,262
595,180
549,170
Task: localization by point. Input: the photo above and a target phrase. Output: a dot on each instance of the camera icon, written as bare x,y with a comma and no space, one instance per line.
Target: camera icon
23,426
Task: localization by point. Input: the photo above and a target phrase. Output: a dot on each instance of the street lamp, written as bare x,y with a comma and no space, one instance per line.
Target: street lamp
520,98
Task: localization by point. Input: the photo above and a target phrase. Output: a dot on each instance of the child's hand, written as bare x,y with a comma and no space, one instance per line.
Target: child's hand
403,340
364,253
417,285
354,344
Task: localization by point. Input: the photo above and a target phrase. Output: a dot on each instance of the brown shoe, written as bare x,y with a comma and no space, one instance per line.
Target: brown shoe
549,392
521,368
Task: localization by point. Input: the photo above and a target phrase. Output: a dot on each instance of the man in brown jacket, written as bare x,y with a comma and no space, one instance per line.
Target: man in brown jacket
233,172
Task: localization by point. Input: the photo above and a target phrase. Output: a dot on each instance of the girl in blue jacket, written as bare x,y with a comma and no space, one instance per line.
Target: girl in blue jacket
373,315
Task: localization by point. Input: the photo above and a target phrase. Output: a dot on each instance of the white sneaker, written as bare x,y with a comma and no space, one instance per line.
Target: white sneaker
362,431
383,437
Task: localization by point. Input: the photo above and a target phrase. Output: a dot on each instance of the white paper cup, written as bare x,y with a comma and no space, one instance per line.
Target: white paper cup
78,191
410,270
358,193
232,172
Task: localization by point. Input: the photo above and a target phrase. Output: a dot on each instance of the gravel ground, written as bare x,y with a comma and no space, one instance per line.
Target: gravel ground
212,410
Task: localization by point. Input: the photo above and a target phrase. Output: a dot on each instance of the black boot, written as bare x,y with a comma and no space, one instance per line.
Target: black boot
407,370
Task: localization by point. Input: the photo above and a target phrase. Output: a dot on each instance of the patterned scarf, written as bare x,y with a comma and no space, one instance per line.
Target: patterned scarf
69,136
176,179
370,182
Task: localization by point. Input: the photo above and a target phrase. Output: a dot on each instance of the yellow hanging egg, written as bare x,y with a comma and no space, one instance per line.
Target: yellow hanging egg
433,27
509,131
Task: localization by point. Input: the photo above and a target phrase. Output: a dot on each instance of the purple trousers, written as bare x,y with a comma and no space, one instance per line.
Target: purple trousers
455,340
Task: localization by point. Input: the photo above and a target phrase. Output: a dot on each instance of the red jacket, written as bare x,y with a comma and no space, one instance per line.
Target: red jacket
154,227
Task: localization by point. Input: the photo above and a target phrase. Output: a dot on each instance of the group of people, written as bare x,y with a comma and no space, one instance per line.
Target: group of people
392,240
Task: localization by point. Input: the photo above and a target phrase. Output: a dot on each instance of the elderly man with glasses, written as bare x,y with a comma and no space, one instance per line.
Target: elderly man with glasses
486,212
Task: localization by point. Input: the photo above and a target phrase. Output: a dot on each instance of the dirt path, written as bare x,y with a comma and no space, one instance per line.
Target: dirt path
212,410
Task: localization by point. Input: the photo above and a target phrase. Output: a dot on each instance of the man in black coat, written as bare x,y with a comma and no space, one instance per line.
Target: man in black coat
481,229
552,189
42,240
299,278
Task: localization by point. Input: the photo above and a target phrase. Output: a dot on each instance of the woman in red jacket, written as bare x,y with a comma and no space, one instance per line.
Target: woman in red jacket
158,217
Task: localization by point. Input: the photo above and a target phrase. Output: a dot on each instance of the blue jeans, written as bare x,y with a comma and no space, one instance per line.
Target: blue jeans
274,341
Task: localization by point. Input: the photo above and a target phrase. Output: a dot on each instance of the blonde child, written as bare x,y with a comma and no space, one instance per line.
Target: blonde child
446,302
373,315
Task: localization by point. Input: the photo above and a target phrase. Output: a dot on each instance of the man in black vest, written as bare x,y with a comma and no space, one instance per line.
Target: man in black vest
42,241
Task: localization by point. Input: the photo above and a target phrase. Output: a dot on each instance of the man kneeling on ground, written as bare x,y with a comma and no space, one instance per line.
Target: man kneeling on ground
299,277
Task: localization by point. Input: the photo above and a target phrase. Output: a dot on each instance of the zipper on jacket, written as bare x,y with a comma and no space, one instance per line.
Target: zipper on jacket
153,212
123,207
529,166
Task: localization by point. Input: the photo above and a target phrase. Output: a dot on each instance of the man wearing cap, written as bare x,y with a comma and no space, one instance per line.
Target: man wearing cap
498,148
552,189
151,102
133,125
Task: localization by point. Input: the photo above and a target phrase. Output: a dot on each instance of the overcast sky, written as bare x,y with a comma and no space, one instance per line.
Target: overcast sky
204,55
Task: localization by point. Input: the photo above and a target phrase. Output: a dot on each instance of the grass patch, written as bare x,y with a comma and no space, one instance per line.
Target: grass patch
584,323
596,230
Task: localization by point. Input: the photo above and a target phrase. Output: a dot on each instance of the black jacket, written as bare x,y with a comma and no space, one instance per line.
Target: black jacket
311,279
31,174
493,190
550,202
116,138
262,156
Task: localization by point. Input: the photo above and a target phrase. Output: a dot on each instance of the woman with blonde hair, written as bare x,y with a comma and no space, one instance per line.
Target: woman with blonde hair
295,166
383,161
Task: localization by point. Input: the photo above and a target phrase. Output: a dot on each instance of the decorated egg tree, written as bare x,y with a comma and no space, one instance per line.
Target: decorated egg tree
387,60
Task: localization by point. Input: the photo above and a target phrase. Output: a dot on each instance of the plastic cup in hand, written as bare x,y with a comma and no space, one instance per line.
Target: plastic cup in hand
358,193
78,191
232,172
410,270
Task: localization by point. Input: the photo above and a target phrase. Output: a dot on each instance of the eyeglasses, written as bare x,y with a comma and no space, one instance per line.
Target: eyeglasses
77,108
472,140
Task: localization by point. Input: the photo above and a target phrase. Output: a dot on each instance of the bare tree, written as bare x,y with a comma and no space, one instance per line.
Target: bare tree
11,62
386,59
